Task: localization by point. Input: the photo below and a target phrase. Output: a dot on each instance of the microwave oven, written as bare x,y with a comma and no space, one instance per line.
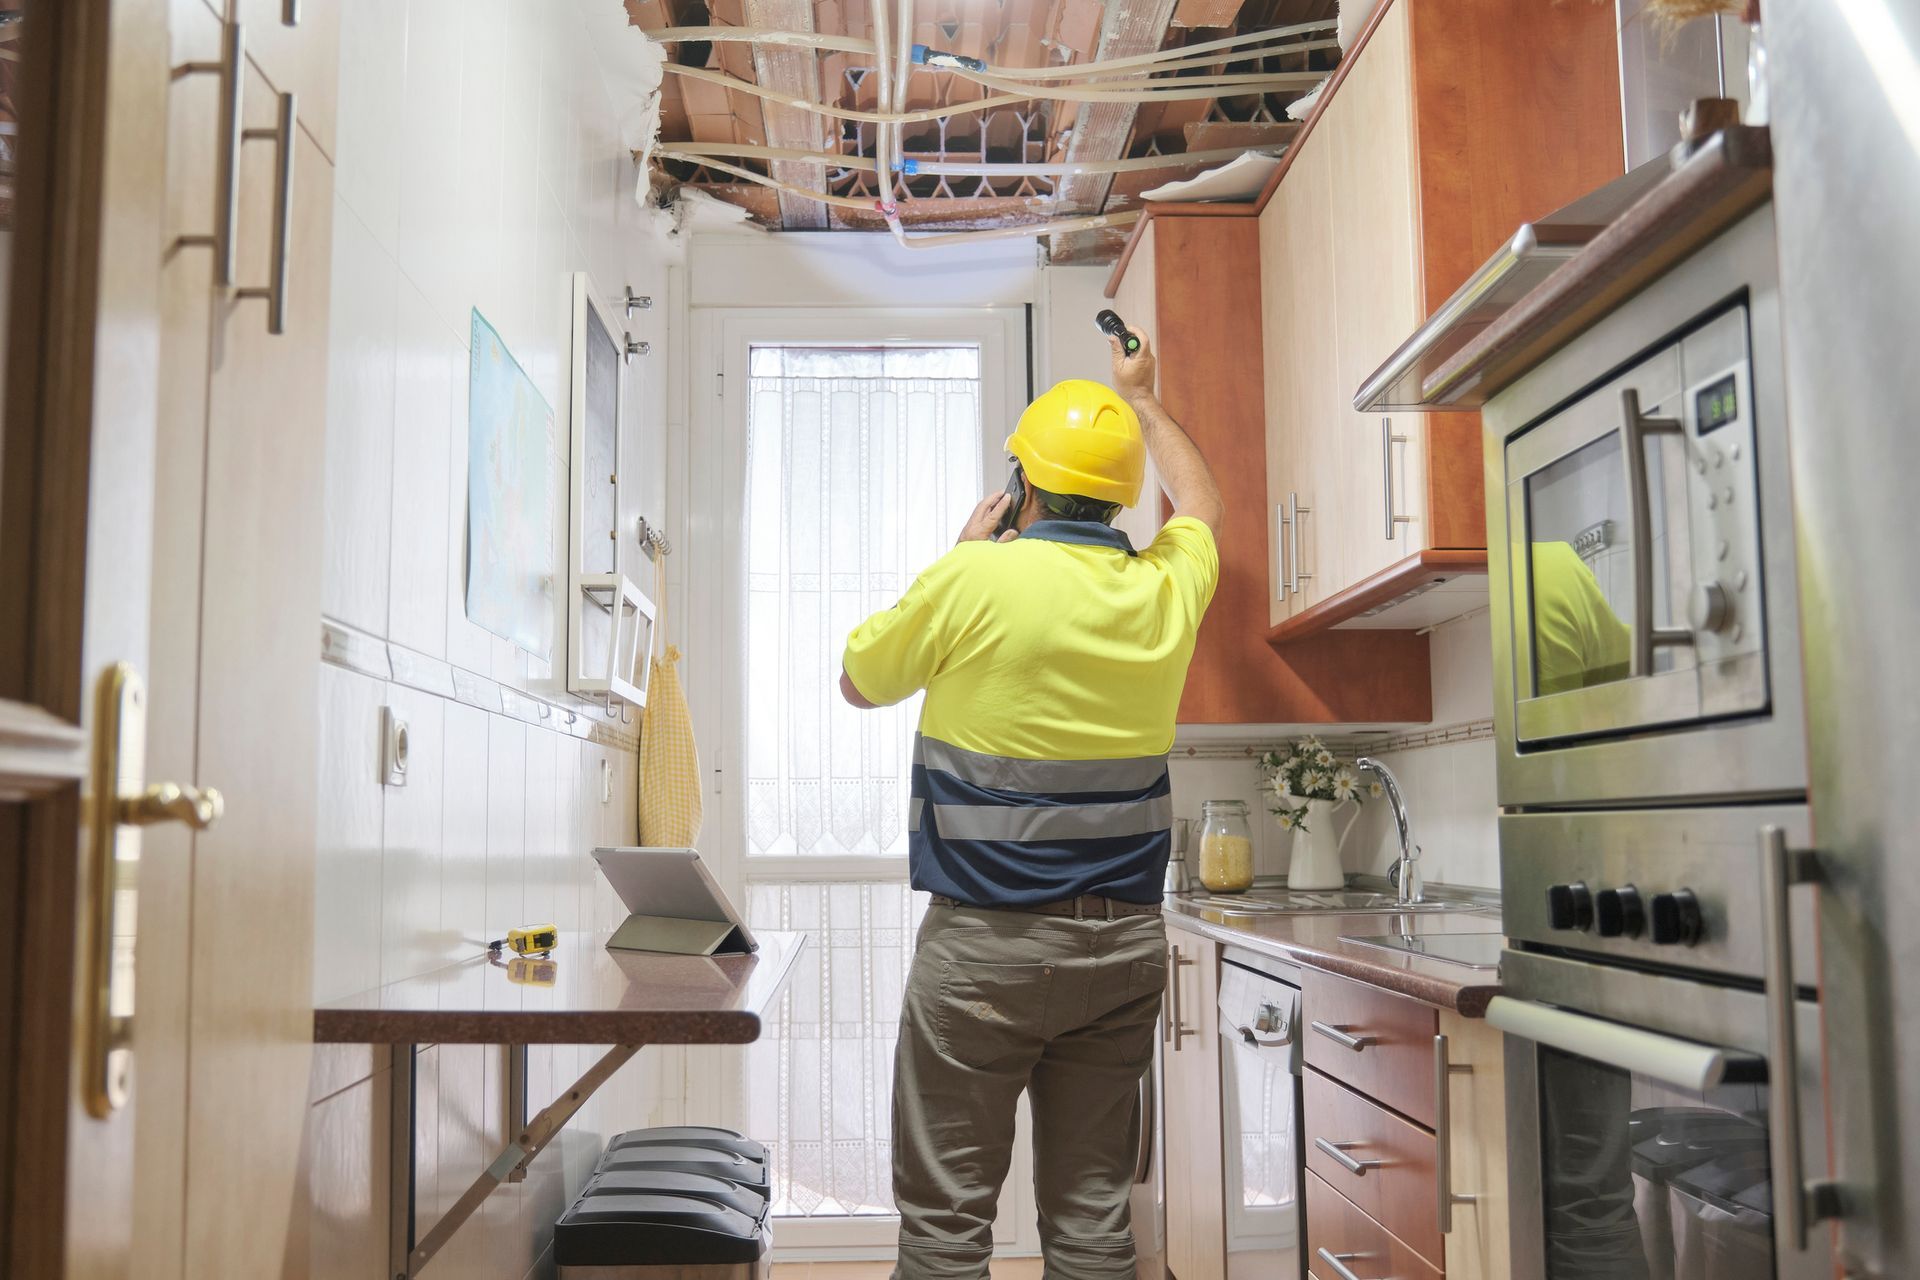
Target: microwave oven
1641,560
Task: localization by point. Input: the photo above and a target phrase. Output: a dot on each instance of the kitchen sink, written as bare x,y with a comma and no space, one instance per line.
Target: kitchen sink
1285,902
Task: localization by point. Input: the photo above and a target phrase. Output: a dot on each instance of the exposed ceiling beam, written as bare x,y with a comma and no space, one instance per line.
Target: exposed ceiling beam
1101,129
796,73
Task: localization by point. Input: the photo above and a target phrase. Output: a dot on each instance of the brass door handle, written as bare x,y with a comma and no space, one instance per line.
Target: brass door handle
197,807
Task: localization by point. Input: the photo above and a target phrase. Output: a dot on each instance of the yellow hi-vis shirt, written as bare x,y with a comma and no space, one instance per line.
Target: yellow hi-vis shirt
1053,667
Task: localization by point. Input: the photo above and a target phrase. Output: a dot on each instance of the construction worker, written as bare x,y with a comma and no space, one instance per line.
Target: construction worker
1053,655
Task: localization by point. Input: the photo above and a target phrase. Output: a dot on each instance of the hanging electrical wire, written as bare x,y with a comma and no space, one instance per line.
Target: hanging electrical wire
1059,226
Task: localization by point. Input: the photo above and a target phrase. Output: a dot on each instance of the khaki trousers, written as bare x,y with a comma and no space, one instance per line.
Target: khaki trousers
1003,1001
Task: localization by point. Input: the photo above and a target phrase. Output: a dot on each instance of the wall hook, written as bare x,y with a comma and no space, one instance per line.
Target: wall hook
626,713
637,301
636,347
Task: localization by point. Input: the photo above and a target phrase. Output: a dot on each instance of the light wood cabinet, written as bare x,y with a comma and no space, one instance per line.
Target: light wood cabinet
1190,1093
1446,127
1477,1247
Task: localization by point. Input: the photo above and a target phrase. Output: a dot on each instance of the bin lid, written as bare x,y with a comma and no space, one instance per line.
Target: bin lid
698,1186
630,1230
691,1135
719,1164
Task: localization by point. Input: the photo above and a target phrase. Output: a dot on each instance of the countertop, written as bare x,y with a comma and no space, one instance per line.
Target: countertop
1312,940
596,996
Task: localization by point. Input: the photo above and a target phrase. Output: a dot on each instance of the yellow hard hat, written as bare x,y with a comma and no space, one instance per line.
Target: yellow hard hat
1081,438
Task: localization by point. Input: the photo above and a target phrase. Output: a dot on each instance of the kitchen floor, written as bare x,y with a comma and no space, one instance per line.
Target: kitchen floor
1003,1269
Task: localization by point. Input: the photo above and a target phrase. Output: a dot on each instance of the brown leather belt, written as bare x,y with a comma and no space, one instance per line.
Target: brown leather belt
1088,906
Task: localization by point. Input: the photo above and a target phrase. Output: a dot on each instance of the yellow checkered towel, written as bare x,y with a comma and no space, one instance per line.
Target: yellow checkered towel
669,761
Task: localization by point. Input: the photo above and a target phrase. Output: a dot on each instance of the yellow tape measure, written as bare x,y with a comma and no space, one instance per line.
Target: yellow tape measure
536,939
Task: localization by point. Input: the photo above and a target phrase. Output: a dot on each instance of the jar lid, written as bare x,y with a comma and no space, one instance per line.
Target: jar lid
1223,804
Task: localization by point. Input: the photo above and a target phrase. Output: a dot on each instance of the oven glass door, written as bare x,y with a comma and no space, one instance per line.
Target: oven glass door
1643,1180
1634,548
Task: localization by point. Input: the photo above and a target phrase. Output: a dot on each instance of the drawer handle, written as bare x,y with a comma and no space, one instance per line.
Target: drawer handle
1339,1036
1338,1261
1338,1150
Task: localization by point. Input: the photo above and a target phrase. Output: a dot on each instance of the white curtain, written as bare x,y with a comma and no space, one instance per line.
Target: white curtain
818,1080
862,464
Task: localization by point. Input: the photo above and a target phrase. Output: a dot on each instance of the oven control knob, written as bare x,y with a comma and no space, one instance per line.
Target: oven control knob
1709,610
1619,912
1570,906
1676,918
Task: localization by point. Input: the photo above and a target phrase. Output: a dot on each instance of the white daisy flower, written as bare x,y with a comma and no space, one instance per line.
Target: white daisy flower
1344,785
1324,758
1375,790
1287,820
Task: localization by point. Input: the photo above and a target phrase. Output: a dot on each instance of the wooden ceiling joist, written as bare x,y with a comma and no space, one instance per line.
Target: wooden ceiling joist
796,73
1101,129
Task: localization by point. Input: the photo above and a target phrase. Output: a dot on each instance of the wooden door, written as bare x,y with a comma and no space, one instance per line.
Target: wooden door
1196,1213
1367,131
1297,291
82,84
237,534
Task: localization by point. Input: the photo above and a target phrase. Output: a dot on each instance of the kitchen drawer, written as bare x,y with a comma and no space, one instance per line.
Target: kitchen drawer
1370,1040
1399,1192
1368,1250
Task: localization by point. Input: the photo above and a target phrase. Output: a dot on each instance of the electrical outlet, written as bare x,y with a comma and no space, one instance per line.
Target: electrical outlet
393,749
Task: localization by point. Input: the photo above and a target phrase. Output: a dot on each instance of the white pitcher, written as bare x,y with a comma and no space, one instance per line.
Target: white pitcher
1316,851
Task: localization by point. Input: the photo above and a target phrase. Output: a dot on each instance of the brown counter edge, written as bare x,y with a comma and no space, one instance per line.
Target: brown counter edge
1253,210
1391,583
1729,177
1469,999
483,1026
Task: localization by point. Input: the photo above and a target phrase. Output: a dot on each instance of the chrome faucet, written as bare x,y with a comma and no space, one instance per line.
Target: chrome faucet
1405,874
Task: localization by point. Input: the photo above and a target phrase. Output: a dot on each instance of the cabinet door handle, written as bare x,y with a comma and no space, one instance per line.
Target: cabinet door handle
1338,1150
289,13
1443,1072
1338,1262
1340,1037
1281,522
1796,1201
1294,512
1180,1029
275,290
1387,441
232,70
1635,427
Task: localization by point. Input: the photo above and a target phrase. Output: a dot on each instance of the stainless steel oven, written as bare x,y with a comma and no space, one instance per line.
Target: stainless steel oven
1645,637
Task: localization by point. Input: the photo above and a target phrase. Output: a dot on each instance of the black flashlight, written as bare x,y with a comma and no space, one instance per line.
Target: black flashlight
1114,327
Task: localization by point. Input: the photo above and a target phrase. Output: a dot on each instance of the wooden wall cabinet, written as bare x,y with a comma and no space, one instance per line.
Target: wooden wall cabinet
1446,128
1377,1125
1190,1101
1189,283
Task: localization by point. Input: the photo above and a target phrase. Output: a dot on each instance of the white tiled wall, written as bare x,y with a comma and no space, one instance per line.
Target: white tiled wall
1449,789
479,166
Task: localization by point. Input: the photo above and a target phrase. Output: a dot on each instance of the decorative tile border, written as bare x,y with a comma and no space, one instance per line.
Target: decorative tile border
355,650
1343,744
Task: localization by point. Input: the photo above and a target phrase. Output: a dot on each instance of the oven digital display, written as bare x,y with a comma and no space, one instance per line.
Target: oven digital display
1715,406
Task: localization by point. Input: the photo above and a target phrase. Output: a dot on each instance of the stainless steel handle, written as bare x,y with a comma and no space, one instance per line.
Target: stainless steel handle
1340,1037
1796,1201
1281,523
1635,427
1387,441
1294,512
1443,1072
1143,1160
1338,1261
232,70
275,290
1338,1150
1179,1028
1681,1063
289,13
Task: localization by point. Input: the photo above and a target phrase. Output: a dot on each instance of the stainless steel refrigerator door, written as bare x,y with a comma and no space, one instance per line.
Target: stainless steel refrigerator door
1846,137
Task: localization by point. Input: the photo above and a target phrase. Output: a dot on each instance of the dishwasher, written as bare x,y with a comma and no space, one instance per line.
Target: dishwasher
1263,1149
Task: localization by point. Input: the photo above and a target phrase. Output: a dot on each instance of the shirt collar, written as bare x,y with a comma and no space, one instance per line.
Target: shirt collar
1083,533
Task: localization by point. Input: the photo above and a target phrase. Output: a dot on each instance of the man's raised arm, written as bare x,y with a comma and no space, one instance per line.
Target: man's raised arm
1183,472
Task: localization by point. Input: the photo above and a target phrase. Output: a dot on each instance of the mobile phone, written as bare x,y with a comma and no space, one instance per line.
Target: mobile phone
1016,495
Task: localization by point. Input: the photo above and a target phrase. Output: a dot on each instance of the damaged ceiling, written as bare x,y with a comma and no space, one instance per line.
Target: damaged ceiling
730,99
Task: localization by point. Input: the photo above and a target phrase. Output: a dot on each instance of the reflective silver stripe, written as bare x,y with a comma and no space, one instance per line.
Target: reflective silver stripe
914,806
1050,777
1053,822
